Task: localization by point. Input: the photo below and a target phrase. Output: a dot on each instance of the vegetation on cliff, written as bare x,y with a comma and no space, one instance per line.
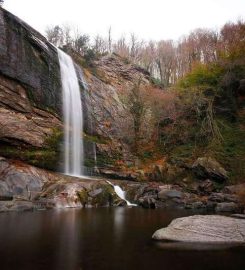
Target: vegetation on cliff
194,105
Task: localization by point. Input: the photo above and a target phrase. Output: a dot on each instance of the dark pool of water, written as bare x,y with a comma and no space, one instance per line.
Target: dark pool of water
102,239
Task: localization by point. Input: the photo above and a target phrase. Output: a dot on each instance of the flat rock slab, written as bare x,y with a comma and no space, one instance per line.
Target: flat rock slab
204,229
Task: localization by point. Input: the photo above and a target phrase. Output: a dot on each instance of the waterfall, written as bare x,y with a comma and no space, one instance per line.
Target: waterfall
121,194
95,156
73,117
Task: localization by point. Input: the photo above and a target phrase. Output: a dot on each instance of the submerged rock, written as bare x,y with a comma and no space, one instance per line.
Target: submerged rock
204,229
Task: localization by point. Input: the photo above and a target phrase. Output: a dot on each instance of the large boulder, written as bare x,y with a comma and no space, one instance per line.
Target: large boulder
209,168
204,229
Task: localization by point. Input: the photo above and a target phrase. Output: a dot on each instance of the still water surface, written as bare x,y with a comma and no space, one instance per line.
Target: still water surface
101,239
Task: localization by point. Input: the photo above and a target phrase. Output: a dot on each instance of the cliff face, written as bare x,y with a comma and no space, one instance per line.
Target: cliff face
104,107
30,93
31,100
29,59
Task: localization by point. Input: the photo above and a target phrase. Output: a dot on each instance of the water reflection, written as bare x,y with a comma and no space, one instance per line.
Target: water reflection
68,245
118,225
102,239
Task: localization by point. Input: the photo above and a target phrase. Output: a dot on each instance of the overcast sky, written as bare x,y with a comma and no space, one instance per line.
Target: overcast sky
148,19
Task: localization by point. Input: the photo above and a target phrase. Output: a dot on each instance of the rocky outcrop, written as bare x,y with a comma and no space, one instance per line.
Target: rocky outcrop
25,187
105,115
204,229
22,123
30,94
29,60
208,168
31,100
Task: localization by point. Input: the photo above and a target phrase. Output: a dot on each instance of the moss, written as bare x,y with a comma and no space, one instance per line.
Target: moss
89,162
83,196
53,141
46,157
95,138
43,158
107,196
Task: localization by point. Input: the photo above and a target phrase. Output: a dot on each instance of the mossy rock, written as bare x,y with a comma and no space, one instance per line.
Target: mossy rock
83,196
43,158
105,197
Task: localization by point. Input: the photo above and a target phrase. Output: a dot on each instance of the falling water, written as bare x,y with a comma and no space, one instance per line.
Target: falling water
95,156
73,118
121,194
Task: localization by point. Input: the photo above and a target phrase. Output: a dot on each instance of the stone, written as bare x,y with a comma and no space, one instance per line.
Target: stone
206,167
170,194
211,205
207,186
95,192
231,198
195,205
217,197
234,189
226,207
147,202
204,229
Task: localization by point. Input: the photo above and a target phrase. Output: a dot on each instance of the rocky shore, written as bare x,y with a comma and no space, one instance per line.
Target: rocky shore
25,187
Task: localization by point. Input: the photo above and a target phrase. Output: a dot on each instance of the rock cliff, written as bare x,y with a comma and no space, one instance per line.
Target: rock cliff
31,100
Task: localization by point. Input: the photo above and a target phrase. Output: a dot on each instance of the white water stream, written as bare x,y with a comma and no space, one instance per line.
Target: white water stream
121,194
73,117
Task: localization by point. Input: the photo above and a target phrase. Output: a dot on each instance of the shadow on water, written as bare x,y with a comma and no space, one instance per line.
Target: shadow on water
103,239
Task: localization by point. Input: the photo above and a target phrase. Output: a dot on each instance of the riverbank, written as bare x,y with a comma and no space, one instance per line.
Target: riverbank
24,187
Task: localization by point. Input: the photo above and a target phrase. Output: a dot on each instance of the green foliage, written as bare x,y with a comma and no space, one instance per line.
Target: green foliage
43,158
89,57
202,75
53,141
95,139
83,196
231,152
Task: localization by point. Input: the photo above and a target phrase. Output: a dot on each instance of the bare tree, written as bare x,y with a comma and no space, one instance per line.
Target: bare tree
100,45
55,35
109,41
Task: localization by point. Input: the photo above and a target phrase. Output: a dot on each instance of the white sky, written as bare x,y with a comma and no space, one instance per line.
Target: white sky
148,19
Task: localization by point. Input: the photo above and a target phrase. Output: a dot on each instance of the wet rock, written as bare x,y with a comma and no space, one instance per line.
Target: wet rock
217,197
234,189
231,198
19,179
16,206
120,203
95,192
206,167
207,186
147,202
211,205
28,58
117,175
170,194
204,229
195,205
226,207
